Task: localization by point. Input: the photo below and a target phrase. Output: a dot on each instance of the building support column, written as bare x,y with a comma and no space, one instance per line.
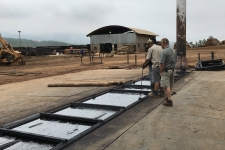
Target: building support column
181,36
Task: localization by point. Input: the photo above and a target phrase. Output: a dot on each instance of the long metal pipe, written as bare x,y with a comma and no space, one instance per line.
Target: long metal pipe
181,35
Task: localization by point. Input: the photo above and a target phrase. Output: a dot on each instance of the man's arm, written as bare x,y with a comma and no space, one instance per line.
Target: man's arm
145,64
147,59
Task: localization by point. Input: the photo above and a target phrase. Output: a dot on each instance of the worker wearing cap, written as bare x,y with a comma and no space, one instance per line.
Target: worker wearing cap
154,56
167,65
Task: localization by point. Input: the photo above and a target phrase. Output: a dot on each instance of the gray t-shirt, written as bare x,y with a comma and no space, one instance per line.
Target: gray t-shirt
168,57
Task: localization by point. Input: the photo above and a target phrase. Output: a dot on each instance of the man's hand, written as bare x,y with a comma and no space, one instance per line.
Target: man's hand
161,73
145,64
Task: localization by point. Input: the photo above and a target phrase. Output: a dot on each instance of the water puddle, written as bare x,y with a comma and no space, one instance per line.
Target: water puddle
53,128
87,113
116,99
144,82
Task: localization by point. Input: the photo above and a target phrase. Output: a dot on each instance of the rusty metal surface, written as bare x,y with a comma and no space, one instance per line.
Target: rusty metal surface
181,35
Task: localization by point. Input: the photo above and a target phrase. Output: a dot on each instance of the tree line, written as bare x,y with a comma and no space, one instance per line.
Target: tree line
202,43
15,42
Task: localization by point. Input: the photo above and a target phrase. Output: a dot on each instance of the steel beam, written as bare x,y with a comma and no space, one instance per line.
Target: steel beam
4,146
138,87
181,36
129,91
96,106
80,120
32,136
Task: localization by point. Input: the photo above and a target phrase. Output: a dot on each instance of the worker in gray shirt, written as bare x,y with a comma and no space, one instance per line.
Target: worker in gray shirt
167,65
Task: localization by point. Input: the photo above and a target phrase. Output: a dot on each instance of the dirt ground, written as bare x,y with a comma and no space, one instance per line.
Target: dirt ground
45,66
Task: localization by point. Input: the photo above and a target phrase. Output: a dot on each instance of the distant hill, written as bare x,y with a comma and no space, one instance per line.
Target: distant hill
15,42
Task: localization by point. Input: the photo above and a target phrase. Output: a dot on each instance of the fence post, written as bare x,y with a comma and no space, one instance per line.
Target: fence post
81,60
212,55
199,56
90,57
135,57
127,59
101,59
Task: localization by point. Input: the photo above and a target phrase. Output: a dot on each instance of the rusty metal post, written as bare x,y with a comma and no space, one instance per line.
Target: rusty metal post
135,57
212,55
181,36
199,56
127,59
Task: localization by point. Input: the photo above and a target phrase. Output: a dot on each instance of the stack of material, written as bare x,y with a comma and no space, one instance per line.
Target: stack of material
120,67
212,42
87,83
75,51
126,49
223,42
215,64
114,67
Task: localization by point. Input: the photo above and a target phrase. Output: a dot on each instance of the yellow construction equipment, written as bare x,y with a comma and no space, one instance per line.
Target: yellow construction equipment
8,55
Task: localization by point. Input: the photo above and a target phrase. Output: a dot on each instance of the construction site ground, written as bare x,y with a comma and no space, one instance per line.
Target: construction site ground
195,122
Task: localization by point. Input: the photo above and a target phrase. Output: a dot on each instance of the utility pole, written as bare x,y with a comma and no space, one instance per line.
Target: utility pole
20,39
181,36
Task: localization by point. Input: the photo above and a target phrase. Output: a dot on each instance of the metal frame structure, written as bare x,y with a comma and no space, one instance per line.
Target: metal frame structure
60,143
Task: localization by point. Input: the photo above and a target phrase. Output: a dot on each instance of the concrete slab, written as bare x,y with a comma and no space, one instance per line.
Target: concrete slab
195,122
19,100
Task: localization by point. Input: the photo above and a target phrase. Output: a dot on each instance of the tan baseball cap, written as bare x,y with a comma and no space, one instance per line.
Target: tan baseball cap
165,40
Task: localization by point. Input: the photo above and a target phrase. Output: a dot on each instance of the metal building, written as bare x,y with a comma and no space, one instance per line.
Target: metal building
109,38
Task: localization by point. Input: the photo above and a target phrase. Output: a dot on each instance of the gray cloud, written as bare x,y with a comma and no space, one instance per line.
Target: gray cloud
71,20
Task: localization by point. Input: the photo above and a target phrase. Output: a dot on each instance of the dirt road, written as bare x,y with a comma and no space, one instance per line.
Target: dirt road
39,67
45,66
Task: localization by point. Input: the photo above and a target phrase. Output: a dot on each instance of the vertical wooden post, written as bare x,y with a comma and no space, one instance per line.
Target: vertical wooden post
212,55
90,56
135,59
127,59
199,56
101,59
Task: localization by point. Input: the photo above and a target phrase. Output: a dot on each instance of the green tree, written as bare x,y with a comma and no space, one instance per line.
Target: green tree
211,37
196,44
191,44
200,43
203,42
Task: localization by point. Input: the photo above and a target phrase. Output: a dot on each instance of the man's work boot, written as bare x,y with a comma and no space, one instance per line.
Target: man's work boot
168,103
153,94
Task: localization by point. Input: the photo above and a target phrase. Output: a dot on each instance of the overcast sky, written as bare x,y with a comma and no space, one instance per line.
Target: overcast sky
71,20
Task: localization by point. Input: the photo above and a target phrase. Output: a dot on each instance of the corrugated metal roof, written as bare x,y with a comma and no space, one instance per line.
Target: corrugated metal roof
140,31
119,29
